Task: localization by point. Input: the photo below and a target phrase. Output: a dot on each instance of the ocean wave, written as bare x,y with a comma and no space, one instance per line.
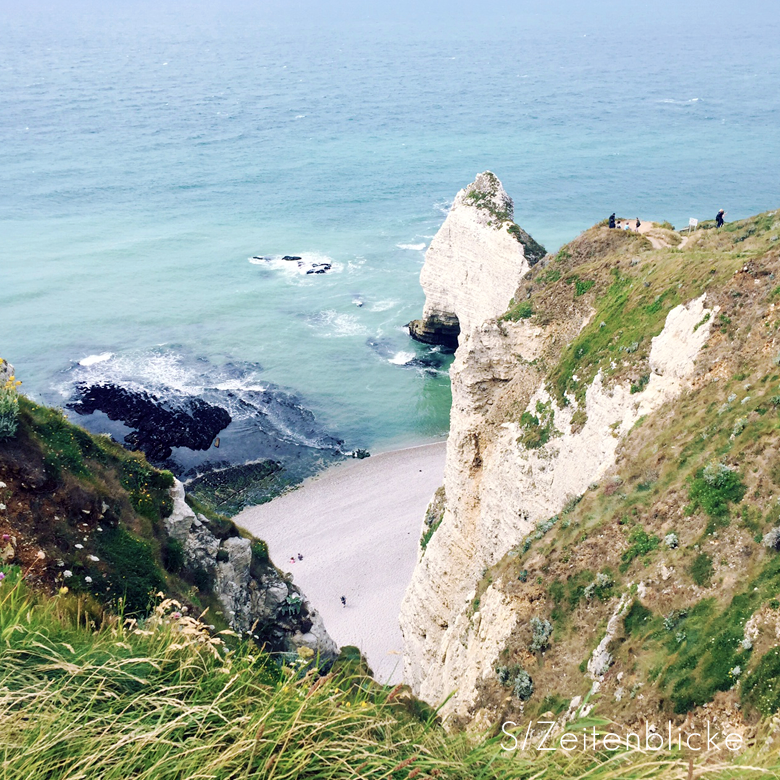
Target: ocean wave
443,207
91,360
146,369
679,102
401,358
415,247
383,306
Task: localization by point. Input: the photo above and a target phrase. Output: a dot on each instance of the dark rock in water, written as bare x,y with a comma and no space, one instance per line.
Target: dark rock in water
159,425
361,454
291,257
268,438
319,268
440,328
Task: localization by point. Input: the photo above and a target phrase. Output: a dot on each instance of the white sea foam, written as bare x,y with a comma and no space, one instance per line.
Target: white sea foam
240,384
334,324
416,247
383,305
401,358
91,360
679,102
142,370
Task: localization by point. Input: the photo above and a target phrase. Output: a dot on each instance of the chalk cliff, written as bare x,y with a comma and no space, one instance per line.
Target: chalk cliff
474,263
548,396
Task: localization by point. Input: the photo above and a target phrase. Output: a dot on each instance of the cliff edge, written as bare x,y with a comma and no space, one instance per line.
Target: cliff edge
609,427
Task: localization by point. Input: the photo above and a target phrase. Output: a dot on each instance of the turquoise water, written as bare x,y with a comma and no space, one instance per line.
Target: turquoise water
146,156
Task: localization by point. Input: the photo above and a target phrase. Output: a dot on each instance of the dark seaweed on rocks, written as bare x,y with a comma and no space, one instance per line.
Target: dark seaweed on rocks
159,425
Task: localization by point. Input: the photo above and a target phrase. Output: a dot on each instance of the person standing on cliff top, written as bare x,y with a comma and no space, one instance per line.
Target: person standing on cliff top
612,221
719,219
638,224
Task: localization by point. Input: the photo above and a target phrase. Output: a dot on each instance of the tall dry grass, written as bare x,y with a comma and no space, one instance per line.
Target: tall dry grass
165,699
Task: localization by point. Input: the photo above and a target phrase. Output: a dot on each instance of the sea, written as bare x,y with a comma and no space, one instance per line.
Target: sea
159,160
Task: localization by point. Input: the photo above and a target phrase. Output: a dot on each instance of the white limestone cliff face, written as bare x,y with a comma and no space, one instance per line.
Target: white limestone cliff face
474,263
496,490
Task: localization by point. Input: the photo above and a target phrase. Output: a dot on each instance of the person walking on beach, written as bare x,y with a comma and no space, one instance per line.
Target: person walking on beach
719,219
612,221
343,601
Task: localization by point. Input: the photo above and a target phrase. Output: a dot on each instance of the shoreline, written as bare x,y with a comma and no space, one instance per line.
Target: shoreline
357,525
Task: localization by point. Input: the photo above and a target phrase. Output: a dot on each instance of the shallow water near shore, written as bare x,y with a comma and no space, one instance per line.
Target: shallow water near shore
150,162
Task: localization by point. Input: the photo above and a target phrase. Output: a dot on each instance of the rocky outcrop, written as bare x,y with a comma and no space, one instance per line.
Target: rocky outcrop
6,371
474,263
256,599
159,425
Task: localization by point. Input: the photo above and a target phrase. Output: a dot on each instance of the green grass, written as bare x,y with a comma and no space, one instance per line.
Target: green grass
519,311
701,570
705,644
642,545
712,489
537,429
164,699
761,687
637,618
628,325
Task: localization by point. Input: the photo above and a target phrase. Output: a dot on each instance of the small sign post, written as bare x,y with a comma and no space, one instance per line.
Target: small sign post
693,223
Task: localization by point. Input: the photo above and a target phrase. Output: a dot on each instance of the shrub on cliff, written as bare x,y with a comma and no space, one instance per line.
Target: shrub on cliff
541,631
714,488
516,678
9,408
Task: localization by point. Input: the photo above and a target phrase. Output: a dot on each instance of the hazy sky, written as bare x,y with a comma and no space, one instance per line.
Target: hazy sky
412,12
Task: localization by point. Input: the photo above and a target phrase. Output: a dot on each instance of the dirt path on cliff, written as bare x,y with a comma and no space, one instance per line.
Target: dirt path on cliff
652,231
357,526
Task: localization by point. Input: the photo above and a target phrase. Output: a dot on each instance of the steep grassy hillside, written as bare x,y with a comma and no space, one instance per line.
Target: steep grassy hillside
79,511
678,543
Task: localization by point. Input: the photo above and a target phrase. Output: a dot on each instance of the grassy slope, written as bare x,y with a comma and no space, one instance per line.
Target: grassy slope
683,639
164,699
94,510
